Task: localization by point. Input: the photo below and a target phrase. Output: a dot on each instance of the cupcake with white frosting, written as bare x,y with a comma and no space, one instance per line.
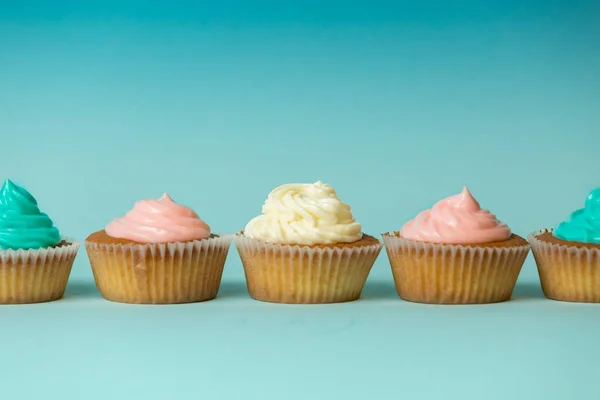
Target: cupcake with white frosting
455,253
306,247
159,252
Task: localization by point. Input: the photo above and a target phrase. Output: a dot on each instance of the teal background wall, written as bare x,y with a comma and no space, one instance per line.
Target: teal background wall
396,104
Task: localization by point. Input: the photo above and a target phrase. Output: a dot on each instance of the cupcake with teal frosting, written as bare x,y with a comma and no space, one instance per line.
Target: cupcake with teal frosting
568,257
35,260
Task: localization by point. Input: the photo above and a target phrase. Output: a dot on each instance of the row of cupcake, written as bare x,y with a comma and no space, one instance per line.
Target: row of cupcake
305,247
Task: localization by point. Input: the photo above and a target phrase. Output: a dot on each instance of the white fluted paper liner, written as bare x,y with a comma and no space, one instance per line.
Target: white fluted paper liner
36,275
296,274
453,274
159,273
567,272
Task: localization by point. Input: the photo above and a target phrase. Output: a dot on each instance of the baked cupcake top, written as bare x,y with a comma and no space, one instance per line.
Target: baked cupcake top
158,221
22,224
584,224
304,214
457,219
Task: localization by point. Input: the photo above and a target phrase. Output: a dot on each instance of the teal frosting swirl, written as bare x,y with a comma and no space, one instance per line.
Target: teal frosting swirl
584,224
22,224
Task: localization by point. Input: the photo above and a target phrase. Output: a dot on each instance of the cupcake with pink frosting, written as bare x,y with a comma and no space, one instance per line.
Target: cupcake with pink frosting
455,253
159,252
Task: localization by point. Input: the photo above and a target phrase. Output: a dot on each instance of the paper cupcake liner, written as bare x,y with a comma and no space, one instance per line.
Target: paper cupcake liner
567,273
36,275
295,274
159,273
453,274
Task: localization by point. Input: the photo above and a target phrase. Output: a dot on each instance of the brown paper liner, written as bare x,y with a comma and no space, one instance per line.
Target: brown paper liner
567,272
455,274
159,273
293,274
36,275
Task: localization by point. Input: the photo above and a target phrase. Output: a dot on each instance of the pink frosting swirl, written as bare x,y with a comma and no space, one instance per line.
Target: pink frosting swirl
456,220
158,221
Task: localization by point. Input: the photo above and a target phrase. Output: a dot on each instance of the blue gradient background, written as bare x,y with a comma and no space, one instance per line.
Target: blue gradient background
396,104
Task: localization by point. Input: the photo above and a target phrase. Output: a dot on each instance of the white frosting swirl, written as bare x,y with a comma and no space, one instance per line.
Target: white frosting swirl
305,214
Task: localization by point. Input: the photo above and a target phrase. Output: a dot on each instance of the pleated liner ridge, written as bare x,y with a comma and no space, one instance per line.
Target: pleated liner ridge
567,273
36,275
303,274
454,274
159,273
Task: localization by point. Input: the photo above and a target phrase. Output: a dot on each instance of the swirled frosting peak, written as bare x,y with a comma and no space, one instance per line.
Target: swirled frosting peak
584,224
22,224
456,220
305,214
159,221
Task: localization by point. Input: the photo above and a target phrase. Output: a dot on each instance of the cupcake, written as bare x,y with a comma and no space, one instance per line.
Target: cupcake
306,247
160,252
455,253
568,257
35,261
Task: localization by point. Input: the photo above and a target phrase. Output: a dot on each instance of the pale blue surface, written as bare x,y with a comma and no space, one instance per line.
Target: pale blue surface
396,106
